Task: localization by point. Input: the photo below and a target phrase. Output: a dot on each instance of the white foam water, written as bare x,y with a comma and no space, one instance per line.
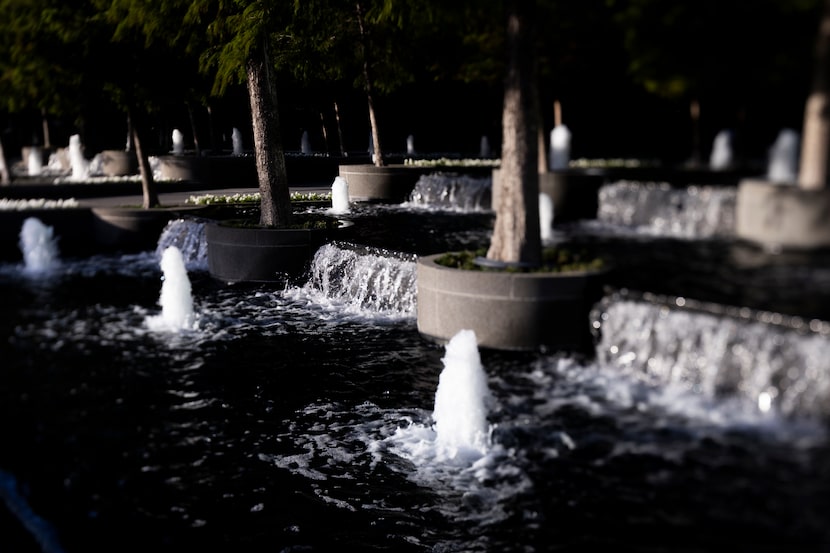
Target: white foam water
658,209
39,247
176,299
452,192
361,281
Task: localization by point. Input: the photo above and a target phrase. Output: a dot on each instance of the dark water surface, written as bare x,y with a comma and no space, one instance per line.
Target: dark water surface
288,421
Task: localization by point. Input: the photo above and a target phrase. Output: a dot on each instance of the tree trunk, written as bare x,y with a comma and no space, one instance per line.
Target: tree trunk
815,146
275,197
148,185
369,87
516,235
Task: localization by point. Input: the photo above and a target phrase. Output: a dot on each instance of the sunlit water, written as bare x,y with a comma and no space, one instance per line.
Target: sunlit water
302,418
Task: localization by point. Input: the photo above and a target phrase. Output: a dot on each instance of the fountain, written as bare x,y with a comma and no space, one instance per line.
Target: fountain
39,247
721,157
178,142
452,192
305,143
560,147
546,216
77,161
410,145
314,417
484,151
35,162
236,140
175,299
460,414
782,165
339,196
659,209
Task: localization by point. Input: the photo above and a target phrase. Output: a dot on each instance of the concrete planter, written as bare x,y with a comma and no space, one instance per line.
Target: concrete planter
210,171
254,254
118,163
387,184
507,310
778,216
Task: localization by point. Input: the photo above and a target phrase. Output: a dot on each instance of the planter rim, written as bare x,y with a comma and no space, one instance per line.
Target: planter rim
430,260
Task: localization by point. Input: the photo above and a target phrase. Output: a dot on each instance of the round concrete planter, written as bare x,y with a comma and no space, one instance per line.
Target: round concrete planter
133,229
575,192
778,216
118,163
387,184
255,254
184,167
507,310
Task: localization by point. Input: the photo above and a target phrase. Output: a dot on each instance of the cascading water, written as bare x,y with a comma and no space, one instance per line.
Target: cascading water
364,279
766,360
452,192
39,247
188,236
658,209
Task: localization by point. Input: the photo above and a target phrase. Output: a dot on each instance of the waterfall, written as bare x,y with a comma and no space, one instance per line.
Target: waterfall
367,279
188,235
453,192
771,360
661,210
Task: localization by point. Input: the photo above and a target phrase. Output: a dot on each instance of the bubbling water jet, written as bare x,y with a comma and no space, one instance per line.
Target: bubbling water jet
39,246
339,196
236,140
175,299
79,164
546,216
460,414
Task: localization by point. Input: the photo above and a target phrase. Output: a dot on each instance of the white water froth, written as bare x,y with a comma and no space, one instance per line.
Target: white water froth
236,141
362,281
460,414
782,165
761,368
339,196
452,192
39,247
546,216
77,161
658,209
176,299
560,147
721,156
